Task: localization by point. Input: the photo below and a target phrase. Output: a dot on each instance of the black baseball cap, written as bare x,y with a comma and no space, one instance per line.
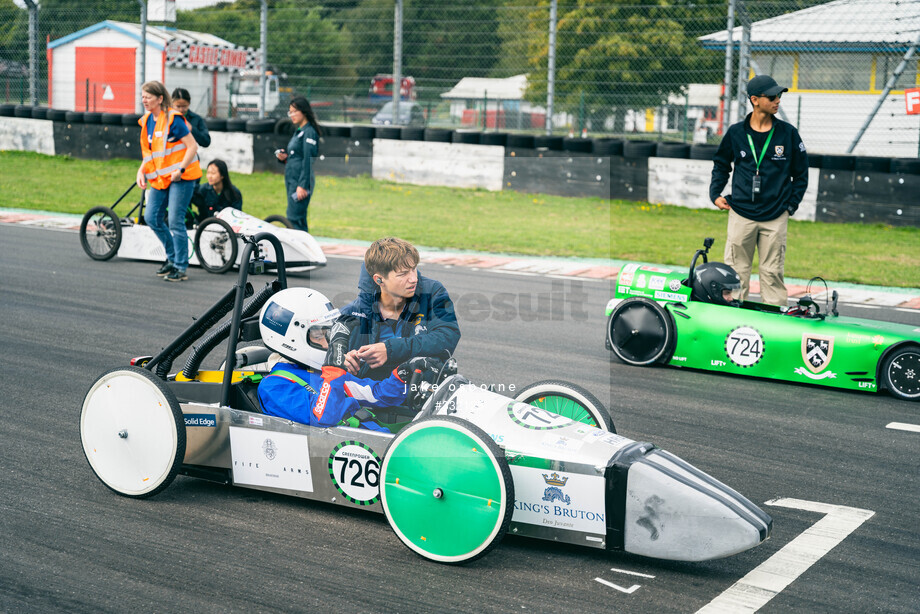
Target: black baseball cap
764,85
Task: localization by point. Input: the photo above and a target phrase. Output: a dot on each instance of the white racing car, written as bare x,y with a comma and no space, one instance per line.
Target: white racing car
214,242
452,480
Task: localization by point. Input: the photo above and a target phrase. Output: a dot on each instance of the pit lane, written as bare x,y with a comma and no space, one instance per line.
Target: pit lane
69,544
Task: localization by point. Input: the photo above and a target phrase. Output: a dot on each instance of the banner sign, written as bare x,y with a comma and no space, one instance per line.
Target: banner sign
912,100
185,54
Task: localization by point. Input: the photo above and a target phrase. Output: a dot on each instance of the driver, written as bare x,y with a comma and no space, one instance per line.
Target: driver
713,282
296,324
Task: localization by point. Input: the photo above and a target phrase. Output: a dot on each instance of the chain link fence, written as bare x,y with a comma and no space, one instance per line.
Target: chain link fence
629,68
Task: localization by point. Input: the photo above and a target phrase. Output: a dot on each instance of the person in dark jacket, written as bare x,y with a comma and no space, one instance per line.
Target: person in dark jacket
769,181
218,193
298,160
406,316
181,100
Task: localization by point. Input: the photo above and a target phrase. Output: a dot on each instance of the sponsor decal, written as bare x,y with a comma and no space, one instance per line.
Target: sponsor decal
280,461
674,285
320,406
744,346
257,420
655,269
559,500
535,418
668,296
878,340
622,289
656,283
563,443
627,274
277,318
679,358
857,339
355,472
640,281
207,420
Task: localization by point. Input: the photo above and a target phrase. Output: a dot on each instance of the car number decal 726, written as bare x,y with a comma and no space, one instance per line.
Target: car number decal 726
355,471
744,346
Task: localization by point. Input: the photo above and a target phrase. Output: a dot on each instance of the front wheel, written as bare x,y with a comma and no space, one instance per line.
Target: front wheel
216,245
568,400
640,332
901,373
446,489
133,432
279,220
100,233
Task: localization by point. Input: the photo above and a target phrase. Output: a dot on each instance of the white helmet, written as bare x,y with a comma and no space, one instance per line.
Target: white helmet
296,323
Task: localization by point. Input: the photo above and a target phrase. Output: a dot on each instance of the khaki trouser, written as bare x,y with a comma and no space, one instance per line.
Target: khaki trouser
769,238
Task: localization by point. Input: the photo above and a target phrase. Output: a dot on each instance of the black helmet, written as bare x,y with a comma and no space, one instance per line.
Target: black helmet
709,281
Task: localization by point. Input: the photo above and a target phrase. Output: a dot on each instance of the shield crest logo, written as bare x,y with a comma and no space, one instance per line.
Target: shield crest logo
817,351
779,149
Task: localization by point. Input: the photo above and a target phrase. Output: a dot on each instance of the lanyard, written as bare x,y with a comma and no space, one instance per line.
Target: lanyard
763,151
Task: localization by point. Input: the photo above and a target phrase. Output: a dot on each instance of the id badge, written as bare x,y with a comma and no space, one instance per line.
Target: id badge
755,187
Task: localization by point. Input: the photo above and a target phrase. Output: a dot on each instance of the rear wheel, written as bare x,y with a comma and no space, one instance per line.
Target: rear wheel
901,373
100,233
640,332
280,221
133,432
446,489
216,245
567,400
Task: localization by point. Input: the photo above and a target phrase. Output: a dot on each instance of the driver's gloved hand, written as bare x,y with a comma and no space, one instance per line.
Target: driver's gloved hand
416,371
334,364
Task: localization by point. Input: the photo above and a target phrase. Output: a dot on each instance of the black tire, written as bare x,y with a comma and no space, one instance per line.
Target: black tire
493,138
521,141
639,149
100,233
815,160
553,143
57,115
279,220
412,134
342,131
703,151
92,118
607,147
260,126
901,373
838,163
673,150
394,133
363,132
442,475
40,112
577,144
23,111
130,404
75,117
7,110
216,124
471,138
906,166
640,332
216,245
111,119
872,163
436,135
130,119
236,125
548,394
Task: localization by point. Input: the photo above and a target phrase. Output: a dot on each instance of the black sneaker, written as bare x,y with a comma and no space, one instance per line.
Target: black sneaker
166,269
176,275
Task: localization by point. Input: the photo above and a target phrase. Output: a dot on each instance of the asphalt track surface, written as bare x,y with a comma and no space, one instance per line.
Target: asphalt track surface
69,544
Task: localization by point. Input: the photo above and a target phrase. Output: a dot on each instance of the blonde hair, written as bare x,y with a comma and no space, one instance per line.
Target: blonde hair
158,89
390,254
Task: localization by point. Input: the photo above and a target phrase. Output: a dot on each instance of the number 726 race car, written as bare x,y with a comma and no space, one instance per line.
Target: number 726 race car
451,479
661,315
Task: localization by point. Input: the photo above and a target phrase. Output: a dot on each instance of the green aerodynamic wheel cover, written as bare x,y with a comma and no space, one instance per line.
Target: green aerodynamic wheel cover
470,510
566,407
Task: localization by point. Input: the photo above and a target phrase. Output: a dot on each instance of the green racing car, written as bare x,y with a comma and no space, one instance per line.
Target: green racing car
687,319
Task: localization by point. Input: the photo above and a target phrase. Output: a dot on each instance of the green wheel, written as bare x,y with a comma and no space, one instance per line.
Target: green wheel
446,489
567,400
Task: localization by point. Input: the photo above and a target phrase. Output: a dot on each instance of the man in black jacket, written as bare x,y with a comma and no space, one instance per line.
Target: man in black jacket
769,181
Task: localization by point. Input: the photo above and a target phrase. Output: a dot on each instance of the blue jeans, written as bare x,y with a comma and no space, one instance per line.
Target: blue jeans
173,201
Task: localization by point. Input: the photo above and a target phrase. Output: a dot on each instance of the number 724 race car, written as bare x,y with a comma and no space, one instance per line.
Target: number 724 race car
661,315
451,479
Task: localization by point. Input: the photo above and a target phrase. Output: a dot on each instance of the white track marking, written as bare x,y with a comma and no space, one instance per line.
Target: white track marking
764,582
631,573
631,589
902,426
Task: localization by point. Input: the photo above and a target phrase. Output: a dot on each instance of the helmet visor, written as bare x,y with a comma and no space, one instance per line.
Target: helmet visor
318,336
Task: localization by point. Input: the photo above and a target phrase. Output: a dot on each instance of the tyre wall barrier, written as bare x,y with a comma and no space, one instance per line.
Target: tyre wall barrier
861,189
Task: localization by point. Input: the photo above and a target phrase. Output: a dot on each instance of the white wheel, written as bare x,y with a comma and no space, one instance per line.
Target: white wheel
569,400
133,432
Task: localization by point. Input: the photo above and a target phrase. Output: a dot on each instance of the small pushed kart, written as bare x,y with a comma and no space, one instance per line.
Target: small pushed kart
462,467
655,319
214,242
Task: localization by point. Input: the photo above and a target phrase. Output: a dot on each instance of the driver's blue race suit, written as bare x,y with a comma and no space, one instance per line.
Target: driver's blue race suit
293,392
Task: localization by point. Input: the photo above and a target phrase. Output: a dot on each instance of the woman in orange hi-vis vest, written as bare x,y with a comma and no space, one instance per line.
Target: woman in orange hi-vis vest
170,168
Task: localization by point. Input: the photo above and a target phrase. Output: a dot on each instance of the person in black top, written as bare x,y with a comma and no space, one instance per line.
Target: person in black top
299,178
769,180
181,100
218,193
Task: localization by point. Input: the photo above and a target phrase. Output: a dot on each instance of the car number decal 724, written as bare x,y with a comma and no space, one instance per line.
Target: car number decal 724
744,346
